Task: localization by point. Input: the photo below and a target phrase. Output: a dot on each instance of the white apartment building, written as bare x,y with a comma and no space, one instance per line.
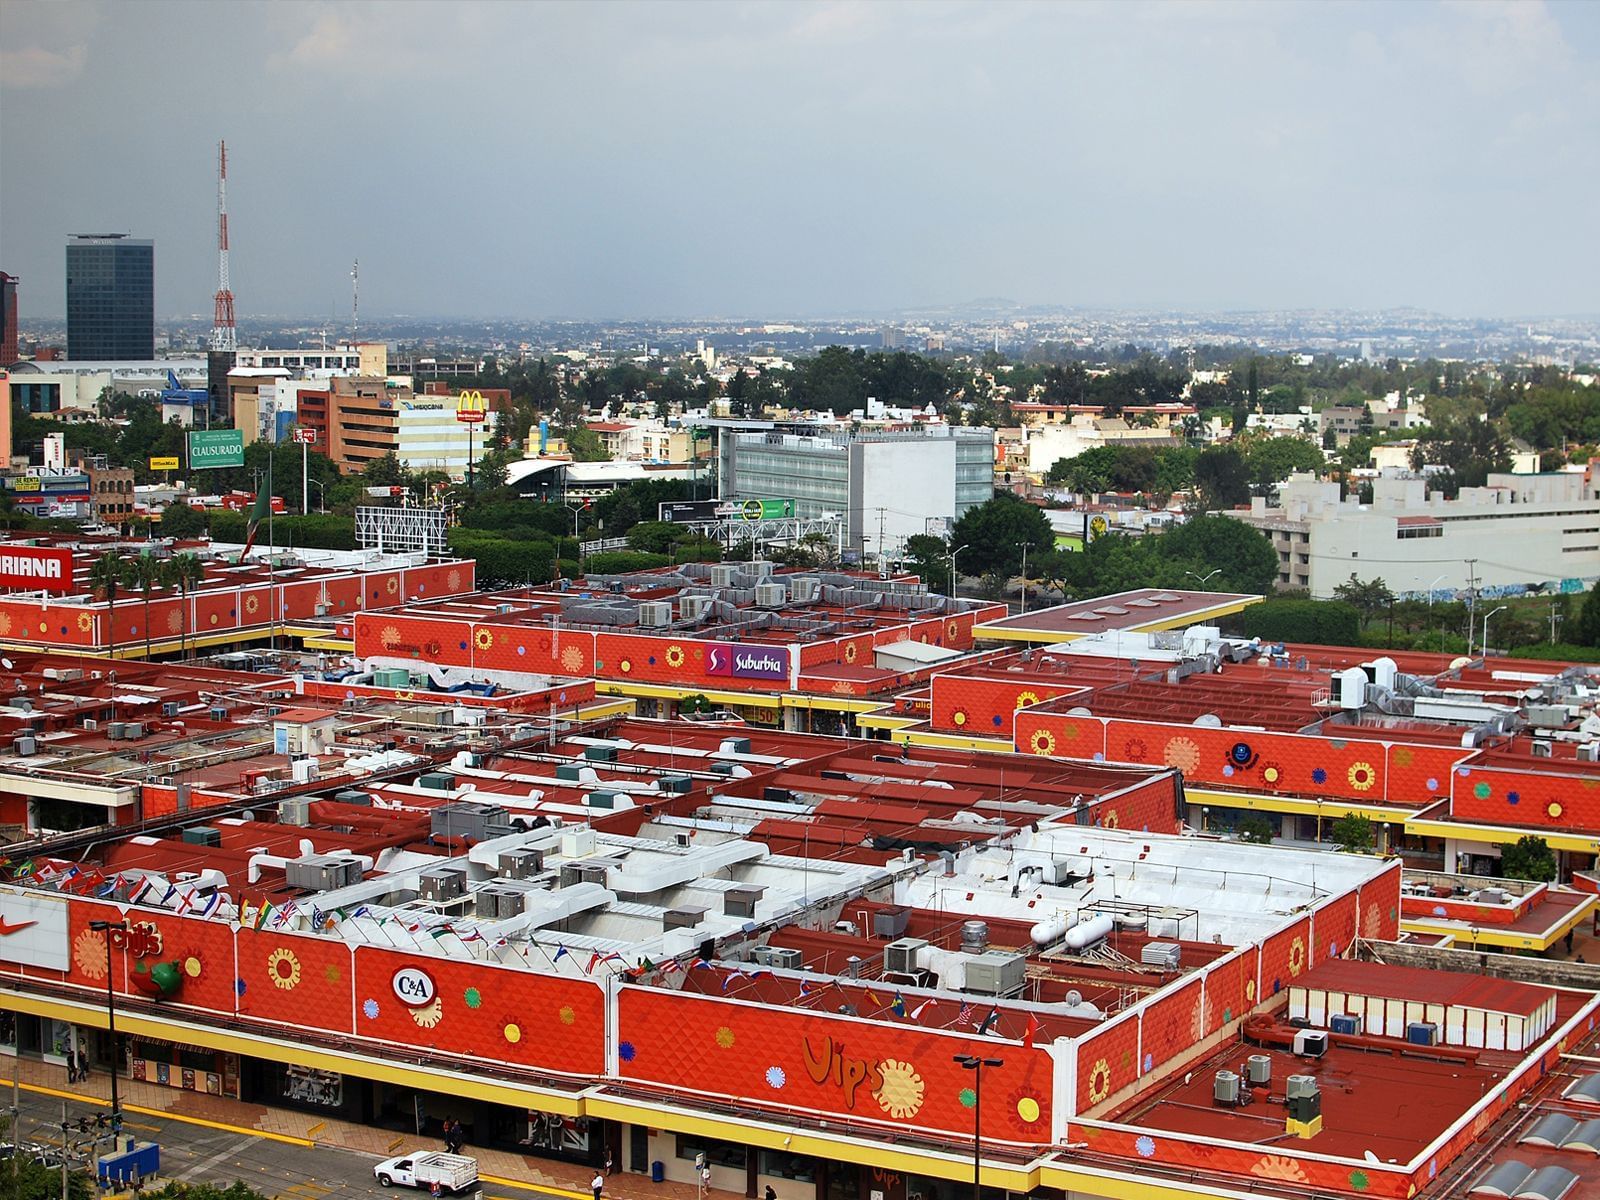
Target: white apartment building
1518,530
1048,444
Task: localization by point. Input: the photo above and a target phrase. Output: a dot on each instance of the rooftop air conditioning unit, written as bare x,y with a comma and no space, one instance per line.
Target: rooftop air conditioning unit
319,872
900,957
24,746
655,614
521,864
492,903
443,884
996,973
805,589
762,568
1589,752
1225,1089
741,901
1166,955
724,575
682,918
294,812
771,595
891,921
592,871
693,608
1311,1043
778,956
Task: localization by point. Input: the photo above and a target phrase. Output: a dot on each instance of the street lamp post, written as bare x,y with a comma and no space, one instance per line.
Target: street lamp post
1206,578
322,494
1024,576
975,1064
1486,617
107,928
1431,586
955,551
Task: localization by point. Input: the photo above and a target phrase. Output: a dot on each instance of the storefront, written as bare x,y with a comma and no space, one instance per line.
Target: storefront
187,1068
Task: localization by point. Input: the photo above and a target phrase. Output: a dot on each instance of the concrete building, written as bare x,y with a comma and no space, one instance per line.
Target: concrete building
111,297
111,492
360,358
359,419
888,484
8,319
1517,531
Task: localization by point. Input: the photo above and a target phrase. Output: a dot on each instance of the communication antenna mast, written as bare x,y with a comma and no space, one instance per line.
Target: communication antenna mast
355,298
224,334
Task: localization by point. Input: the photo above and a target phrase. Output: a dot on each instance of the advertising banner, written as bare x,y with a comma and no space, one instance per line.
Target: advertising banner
167,463
216,448
748,662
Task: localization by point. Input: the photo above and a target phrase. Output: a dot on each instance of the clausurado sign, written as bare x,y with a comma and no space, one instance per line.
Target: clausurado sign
36,568
216,448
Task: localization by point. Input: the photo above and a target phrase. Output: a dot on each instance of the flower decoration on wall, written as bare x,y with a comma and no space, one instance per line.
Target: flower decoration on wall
1297,956
283,968
959,717
1025,698
1361,776
1042,742
674,656
1099,1081
85,622
389,636
1278,1166
252,604
1271,772
428,1015
89,954
850,652
483,639
1182,753
572,659
902,1090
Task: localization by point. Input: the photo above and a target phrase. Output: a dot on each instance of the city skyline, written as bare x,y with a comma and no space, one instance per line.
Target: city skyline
655,161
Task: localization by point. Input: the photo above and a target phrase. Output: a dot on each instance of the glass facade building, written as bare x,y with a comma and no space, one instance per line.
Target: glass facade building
111,298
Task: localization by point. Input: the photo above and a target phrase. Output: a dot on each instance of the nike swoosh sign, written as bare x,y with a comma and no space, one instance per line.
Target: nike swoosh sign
9,927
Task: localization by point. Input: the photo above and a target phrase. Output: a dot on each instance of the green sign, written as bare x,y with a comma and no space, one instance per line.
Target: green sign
216,448
766,510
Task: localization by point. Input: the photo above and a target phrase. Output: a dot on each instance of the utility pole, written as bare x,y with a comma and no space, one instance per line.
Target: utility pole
1472,600
1024,576
1555,620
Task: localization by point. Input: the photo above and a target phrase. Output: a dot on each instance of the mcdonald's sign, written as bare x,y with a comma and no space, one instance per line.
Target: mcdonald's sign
471,408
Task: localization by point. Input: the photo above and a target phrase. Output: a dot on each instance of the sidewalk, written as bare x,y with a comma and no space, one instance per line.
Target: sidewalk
497,1168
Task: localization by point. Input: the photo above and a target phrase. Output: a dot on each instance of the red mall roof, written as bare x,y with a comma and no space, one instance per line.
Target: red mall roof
1428,987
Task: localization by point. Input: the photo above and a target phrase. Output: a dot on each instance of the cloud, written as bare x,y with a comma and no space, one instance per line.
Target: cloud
37,67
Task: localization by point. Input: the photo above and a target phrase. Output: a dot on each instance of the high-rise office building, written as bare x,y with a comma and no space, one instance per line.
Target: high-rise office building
111,297
8,319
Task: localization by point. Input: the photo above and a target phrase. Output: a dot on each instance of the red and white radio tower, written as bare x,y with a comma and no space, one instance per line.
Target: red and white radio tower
224,335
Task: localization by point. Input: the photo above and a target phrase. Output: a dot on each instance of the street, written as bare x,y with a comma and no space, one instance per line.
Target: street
201,1152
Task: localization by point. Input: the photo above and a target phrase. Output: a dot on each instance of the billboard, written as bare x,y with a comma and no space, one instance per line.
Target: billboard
766,510
216,448
304,436
36,568
33,931
748,662
168,463
684,511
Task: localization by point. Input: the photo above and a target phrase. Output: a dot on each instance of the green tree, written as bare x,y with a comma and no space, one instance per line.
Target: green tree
1352,833
1222,477
1318,622
180,520
1369,598
1587,630
1529,857
1272,460
585,446
177,1190
185,573
654,537
105,576
929,557
1242,554
144,574
993,534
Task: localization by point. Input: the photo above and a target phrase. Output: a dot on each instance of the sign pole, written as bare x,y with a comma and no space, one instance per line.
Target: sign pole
305,486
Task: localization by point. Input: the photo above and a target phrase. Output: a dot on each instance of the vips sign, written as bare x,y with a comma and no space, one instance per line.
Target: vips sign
749,662
36,568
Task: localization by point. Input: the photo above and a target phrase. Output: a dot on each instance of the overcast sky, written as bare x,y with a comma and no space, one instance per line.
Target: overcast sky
635,160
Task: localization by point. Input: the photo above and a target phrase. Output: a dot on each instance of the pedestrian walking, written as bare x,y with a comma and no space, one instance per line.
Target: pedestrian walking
597,1185
83,1064
769,1194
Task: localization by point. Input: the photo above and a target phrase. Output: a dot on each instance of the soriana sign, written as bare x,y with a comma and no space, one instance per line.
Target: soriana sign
36,568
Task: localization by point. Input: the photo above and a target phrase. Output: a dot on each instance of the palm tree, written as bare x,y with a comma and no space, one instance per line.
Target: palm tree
144,573
105,577
183,571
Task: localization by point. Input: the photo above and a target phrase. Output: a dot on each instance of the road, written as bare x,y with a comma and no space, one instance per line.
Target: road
203,1153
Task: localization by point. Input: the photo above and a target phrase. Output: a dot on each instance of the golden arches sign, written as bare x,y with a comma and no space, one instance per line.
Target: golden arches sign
471,408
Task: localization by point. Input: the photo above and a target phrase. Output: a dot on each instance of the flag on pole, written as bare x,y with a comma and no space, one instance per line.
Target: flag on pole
109,886
989,1021
262,913
1033,1031
916,1013
258,514
561,952
898,1005
964,1017
472,935
210,907
185,901
594,961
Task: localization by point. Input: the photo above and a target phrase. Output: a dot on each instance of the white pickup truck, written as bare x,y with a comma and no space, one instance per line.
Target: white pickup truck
454,1173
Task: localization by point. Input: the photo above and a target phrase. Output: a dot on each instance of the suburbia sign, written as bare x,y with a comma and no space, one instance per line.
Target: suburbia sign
36,568
749,662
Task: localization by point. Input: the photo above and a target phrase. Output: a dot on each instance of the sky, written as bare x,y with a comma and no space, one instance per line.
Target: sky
773,160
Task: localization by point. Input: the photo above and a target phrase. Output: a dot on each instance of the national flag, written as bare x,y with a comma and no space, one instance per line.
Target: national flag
898,1005
210,907
69,875
438,933
989,1021
258,514
24,870
472,935
1033,1031
730,977
872,998
109,886
964,1017
760,973
262,913
185,901
594,961
363,911
916,1013
701,964
141,890
45,873
172,890
646,964
671,967
805,988
561,952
